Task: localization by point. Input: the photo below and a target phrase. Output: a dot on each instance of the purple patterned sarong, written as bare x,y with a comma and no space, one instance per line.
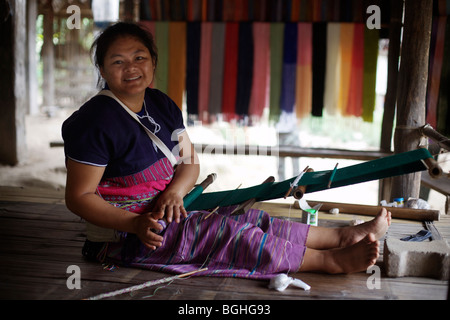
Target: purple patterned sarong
253,245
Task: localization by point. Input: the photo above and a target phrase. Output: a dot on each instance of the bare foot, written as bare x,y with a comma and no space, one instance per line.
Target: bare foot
355,258
378,227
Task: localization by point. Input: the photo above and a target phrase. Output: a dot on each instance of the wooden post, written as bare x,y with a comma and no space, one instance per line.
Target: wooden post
411,95
13,81
32,8
395,30
48,59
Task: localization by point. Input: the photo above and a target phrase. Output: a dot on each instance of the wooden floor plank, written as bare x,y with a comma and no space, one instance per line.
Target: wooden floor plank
39,241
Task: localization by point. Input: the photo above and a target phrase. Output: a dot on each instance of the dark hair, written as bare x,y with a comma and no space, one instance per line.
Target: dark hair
115,31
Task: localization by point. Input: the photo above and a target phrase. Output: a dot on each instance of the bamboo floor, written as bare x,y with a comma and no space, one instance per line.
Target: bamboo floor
40,239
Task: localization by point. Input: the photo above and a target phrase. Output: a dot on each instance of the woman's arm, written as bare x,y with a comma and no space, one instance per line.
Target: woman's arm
81,199
171,200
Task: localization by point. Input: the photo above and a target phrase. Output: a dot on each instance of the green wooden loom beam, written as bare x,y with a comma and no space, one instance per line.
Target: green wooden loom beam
391,166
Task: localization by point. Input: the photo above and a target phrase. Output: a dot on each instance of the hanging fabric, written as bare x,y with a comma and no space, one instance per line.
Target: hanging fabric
177,62
443,113
319,65
306,10
295,10
228,10
155,10
371,39
194,11
354,103
193,35
149,26
346,51
245,68
276,66
261,69
230,71
205,71
333,68
162,43
289,68
217,68
303,99
436,63
178,10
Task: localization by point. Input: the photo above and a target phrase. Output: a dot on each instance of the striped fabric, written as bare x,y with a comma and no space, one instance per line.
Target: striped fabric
193,40
371,39
205,71
287,103
162,43
304,70
217,61
333,65
177,62
276,67
230,71
261,69
253,246
240,68
319,67
354,102
135,192
245,69
346,52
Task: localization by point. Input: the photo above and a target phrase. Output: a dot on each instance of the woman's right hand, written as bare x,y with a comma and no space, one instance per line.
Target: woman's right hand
143,224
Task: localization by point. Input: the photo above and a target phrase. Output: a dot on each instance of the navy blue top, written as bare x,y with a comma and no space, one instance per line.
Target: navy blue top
102,133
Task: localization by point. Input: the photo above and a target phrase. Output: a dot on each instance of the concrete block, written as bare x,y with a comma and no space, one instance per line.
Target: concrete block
429,259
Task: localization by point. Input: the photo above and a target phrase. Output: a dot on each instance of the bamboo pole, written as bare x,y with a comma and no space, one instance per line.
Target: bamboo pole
395,29
428,131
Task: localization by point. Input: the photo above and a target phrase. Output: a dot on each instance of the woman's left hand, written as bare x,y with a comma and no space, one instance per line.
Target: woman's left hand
171,204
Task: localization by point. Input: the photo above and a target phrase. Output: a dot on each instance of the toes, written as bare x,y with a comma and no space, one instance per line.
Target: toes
370,238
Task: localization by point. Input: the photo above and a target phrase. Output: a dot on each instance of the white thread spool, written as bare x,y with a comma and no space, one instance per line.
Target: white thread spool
282,281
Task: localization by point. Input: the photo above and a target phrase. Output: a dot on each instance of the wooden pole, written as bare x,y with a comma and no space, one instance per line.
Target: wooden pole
395,30
412,85
13,106
366,210
48,59
441,140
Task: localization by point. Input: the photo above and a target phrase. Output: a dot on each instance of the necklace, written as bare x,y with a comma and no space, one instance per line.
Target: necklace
156,126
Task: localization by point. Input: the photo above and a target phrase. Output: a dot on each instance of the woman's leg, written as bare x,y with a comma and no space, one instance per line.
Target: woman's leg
355,258
327,238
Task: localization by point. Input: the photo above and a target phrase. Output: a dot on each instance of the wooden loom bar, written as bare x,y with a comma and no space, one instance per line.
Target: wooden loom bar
301,190
244,207
428,131
289,151
366,210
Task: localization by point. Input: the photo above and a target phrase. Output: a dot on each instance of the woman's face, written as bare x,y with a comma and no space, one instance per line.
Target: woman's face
128,67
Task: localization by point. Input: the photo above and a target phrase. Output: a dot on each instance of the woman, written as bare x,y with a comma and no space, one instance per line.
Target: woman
122,184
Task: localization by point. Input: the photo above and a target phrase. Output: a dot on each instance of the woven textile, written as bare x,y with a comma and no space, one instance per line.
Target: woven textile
253,246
